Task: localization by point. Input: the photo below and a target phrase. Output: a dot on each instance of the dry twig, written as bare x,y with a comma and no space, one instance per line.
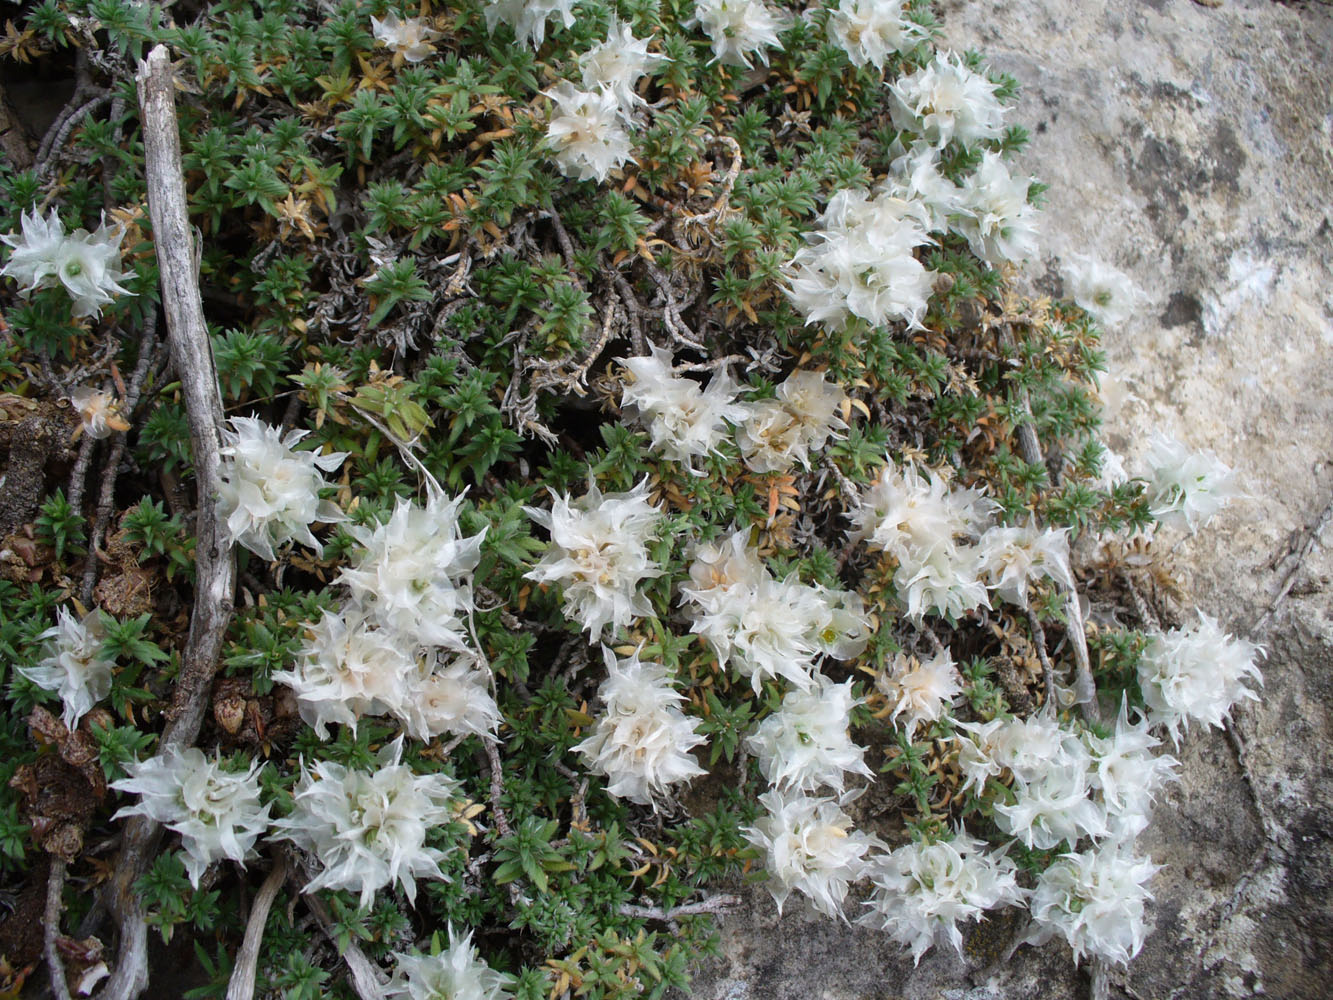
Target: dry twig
364,980
242,984
55,884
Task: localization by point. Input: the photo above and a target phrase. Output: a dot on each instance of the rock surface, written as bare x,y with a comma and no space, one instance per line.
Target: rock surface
1191,146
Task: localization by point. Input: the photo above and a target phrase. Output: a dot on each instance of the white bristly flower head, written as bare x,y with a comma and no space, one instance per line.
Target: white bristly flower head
449,696
599,555
587,132
1108,294
528,17
805,744
914,177
456,973
415,575
740,28
99,411
997,220
368,828
923,692
1128,774
269,494
869,31
409,38
1054,806
1095,901
1012,557
216,812
73,666
642,740
618,63
946,101
924,890
809,845
686,421
86,264
1186,488
775,434
1196,675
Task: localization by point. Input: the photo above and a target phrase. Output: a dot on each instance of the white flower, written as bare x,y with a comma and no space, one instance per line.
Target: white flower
1011,557
642,740
946,101
35,261
728,562
860,263
1108,294
686,421
368,829
1095,901
922,690
528,17
415,575
587,132
775,434
1054,806
216,812
808,844
998,221
269,494
924,890
805,743
599,555
99,411
409,38
869,31
451,696
87,264
73,666
1128,774
456,973
1185,488
1196,675
738,28
618,63
915,178
1024,747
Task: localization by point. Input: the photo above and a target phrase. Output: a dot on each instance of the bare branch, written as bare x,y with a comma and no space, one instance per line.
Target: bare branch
55,884
713,904
242,984
364,979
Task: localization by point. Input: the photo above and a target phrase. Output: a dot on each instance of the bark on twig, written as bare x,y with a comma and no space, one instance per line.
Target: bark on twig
55,884
242,984
364,980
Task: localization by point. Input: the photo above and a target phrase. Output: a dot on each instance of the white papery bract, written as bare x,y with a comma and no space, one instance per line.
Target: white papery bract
73,666
869,31
1012,557
456,973
808,845
739,29
921,691
914,177
86,264
1186,488
1128,774
528,17
1025,747
997,220
924,890
216,812
587,132
946,101
805,744
269,494
1054,806
1196,675
1109,294
408,37
1095,900
448,696
99,411
776,434
599,555
860,264
686,421
642,741
415,575
618,63
368,828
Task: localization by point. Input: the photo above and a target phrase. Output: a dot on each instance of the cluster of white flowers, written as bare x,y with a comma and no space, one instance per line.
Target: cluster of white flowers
998,221
1128,775
739,29
410,38
686,422
776,434
399,646
860,263
269,494
1196,675
805,744
641,742
764,627
1110,295
73,666
587,132
216,812
945,101
528,17
924,889
455,973
368,828
1012,557
924,691
1186,488
86,264
617,64
870,31
599,555
1095,900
